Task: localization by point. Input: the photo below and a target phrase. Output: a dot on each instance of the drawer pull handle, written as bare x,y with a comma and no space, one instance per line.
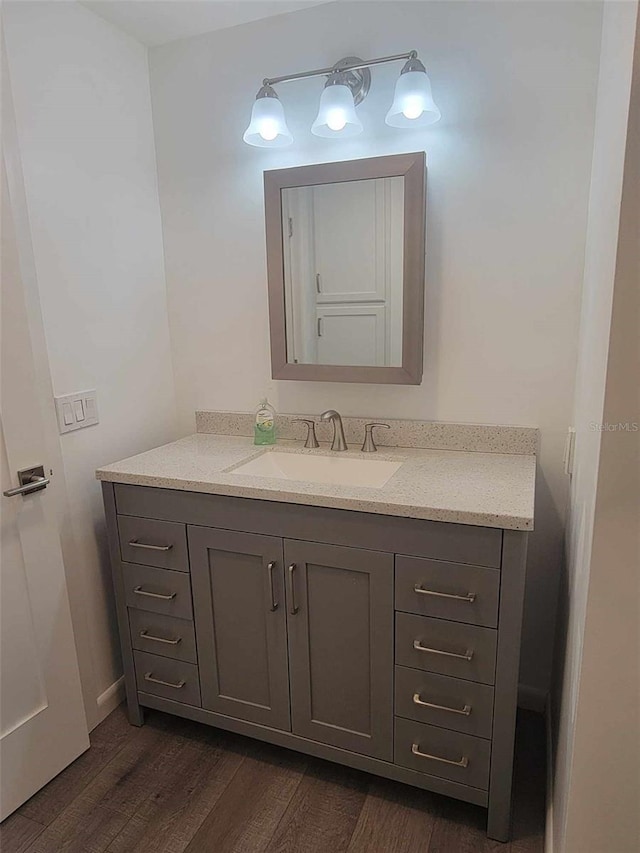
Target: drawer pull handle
293,607
415,749
135,544
270,567
417,700
417,645
139,591
148,676
470,597
170,642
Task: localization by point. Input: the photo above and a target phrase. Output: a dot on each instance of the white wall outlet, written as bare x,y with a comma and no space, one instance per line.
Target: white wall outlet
76,411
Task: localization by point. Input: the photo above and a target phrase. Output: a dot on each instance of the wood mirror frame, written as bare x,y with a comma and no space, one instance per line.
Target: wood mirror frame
413,169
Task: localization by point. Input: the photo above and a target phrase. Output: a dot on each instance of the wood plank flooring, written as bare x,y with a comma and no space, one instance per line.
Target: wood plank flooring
174,786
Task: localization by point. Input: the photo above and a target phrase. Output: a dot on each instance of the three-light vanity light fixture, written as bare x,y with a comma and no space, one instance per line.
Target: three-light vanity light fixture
347,85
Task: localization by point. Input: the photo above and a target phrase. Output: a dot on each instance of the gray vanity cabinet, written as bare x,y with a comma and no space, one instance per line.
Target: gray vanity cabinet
237,581
340,625
384,643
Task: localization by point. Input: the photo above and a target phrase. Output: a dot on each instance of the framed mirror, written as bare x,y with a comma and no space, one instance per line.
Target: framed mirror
345,263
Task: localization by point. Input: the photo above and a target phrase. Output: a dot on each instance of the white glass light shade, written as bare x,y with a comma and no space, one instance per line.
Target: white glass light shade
268,128
337,113
413,104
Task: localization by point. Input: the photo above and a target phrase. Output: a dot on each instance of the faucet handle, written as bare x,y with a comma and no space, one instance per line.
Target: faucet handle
369,445
311,440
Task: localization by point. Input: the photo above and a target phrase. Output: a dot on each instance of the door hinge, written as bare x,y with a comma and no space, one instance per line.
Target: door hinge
290,227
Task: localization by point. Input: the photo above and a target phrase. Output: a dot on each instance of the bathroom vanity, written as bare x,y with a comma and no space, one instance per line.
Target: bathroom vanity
377,627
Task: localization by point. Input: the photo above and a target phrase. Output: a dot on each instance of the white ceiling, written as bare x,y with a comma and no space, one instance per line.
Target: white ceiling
155,22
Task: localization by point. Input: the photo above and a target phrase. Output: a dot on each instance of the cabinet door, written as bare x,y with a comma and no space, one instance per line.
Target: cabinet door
351,334
240,617
349,241
340,629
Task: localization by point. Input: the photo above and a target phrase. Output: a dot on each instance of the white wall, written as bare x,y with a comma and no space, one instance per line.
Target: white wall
596,702
83,116
509,168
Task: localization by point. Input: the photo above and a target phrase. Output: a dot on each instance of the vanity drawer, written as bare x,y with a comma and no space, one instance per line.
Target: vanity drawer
439,700
173,679
162,635
157,590
153,543
448,648
447,590
439,752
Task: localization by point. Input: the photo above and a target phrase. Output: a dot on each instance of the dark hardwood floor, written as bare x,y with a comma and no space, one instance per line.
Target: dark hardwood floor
174,786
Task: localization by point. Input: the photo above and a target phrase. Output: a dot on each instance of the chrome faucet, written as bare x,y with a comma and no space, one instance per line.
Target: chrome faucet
338,442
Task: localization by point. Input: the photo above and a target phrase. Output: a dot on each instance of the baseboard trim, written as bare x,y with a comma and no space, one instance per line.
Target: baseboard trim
548,827
532,698
109,700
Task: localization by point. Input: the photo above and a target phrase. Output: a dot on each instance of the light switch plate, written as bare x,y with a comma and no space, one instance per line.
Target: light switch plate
76,411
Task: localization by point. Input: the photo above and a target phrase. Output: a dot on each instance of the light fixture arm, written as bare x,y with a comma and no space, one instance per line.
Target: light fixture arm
352,66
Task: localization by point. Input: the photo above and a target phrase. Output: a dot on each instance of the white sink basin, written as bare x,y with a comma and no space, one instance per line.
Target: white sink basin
336,470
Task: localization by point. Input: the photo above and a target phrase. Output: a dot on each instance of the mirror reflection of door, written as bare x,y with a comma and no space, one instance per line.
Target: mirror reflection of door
343,270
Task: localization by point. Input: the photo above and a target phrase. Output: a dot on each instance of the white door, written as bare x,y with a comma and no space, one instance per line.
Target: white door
349,241
42,721
351,334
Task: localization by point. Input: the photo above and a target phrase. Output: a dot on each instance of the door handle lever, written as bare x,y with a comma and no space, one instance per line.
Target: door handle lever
31,480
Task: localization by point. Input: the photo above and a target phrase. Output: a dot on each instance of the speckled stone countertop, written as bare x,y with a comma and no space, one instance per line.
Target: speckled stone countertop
434,435
487,489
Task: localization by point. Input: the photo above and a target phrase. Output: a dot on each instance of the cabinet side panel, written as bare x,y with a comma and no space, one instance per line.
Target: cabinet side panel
133,708
512,582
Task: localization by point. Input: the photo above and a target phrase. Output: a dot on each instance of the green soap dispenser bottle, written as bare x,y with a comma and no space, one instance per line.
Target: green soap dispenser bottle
264,431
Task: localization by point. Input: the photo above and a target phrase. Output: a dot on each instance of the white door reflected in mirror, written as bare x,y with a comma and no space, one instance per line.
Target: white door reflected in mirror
343,272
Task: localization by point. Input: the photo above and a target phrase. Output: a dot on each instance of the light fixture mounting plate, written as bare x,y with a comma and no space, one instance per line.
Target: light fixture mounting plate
358,79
